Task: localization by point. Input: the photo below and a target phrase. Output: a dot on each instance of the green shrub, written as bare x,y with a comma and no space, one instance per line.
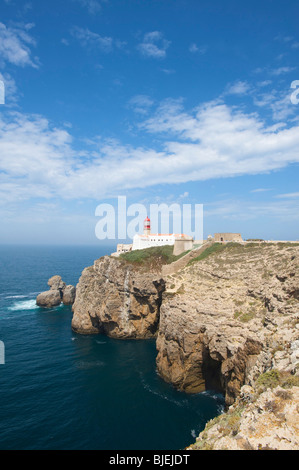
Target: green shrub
270,379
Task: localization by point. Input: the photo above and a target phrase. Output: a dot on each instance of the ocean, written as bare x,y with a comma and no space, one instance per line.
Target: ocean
64,391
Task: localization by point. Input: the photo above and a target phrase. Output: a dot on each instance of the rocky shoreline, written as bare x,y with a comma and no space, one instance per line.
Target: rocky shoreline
222,322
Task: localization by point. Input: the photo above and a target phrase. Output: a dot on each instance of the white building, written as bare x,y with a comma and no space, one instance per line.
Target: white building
180,241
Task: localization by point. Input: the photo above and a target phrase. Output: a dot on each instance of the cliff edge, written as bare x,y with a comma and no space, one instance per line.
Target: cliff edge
118,299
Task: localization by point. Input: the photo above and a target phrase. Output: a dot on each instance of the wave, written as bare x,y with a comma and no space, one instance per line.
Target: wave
23,305
16,296
163,396
218,397
13,295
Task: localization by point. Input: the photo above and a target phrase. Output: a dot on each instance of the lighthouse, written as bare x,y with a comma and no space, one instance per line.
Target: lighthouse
147,226
147,239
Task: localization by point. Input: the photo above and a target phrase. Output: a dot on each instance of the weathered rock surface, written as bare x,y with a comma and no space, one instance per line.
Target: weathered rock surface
69,295
116,298
266,421
226,319
56,283
48,299
58,292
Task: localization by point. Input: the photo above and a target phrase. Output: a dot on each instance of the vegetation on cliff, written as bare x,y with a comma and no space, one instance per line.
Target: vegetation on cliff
151,258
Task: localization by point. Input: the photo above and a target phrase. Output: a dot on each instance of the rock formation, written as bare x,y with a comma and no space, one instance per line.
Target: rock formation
227,318
58,292
48,299
69,295
256,421
222,322
116,298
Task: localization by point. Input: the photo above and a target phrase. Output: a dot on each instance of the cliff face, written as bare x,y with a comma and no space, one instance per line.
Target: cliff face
116,298
221,322
229,317
257,421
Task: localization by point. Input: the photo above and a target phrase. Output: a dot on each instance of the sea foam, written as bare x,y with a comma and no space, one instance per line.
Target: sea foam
23,305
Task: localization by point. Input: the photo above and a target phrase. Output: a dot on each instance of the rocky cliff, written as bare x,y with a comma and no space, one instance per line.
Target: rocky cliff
118,299
227,318
222,322
228,321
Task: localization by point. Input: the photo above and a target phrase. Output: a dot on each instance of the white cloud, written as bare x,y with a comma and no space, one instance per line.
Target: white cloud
14,45
89,38
279,102
238,88
247,210
10,89
288,195
282,70
199,49
154,45
212,141
260,190
93,6
141,103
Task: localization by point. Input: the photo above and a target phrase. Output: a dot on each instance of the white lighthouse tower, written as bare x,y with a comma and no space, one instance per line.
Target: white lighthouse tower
147,227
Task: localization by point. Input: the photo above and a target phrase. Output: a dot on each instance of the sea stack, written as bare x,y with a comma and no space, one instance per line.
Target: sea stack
58,292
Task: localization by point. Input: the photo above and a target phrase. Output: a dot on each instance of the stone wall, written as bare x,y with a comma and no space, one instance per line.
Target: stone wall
228,237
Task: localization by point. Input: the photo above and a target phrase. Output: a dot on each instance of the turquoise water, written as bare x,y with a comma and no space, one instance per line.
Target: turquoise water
60,390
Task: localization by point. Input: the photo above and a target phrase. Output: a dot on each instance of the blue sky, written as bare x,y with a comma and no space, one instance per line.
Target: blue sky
161,101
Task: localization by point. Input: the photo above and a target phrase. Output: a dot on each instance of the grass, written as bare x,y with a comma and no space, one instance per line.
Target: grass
155,256
274,377
215,248
269,379
244,316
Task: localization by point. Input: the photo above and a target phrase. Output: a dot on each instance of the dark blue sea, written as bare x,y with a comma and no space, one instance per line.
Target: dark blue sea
61,390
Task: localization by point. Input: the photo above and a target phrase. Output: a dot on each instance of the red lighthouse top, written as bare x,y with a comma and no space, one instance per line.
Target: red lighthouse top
147,226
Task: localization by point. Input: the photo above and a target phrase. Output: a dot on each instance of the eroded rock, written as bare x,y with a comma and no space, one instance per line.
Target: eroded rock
115,298
228,318
58,292
48,299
